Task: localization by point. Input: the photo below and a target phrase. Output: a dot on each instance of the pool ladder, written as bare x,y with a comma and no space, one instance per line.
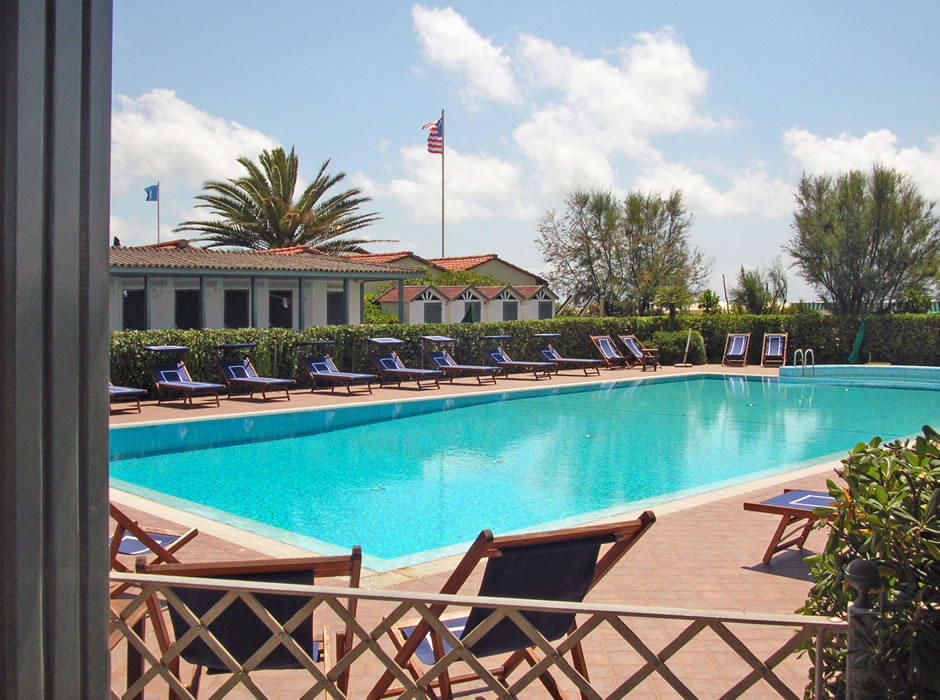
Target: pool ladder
805,357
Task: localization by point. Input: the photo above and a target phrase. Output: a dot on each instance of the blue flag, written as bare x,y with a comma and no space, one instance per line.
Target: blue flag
153,193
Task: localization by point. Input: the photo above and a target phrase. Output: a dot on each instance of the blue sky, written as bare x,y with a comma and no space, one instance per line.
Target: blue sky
729,102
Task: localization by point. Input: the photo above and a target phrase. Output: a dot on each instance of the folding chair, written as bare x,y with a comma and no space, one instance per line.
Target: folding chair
562,565
736,345
643,355
610,355
774,350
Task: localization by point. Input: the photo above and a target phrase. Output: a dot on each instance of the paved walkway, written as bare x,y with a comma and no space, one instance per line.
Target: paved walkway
703,552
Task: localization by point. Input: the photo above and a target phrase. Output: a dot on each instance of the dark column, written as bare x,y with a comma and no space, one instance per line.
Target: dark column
147,292
401,301
55,75
345,301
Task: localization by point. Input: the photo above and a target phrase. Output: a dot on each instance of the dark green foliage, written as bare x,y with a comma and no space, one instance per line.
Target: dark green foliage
709,302
899,339
863,239
889,514
671,346
913,301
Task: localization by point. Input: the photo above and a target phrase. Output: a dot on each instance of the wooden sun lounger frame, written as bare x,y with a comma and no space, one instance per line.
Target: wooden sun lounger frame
405,374
773,360
588,366
188,393
538,368
250,383
485,546
788,517
736,360
452,371
647,355
610,362
334,379
349,565
133,392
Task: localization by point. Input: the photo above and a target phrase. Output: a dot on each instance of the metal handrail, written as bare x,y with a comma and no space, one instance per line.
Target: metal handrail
804,357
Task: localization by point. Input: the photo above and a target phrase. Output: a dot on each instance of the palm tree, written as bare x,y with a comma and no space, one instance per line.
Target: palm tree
258,210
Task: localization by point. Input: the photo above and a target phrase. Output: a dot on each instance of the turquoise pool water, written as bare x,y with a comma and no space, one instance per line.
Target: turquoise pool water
415,480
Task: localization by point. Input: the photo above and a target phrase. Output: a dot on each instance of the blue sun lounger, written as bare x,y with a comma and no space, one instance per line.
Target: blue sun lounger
174,377
500,359
442,360
322,370
551,355
241,373
736,349
793,506
392,370
125,392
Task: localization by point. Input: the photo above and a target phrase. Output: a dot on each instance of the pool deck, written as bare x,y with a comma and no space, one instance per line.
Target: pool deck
704,552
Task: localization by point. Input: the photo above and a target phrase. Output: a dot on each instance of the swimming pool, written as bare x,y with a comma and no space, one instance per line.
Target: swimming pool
415,480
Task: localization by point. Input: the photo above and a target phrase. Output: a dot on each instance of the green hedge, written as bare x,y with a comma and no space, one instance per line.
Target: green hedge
899,339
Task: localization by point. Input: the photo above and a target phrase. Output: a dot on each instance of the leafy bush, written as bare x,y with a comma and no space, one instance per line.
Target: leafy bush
900,339
671,346
889,514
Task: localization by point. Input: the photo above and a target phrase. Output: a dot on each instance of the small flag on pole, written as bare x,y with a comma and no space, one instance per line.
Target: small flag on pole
153,193
436,137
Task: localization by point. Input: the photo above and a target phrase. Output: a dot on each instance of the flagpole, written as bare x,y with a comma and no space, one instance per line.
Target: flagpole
158,211
442,182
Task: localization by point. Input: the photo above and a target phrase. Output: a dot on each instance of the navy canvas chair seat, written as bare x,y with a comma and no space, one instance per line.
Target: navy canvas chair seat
442,360
774,352
558,565
392,370
322,370
241,373
550,354
610,354
501,359
174,377
736,345
641,355
241,631
793,506
125,392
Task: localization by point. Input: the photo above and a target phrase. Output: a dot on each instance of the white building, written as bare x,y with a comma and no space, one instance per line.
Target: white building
469,304
178,285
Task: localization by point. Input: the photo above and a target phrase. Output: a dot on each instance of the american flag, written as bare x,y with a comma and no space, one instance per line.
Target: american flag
436,137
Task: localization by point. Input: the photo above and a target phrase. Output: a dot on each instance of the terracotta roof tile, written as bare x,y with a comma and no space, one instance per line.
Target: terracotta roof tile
462,263
174,255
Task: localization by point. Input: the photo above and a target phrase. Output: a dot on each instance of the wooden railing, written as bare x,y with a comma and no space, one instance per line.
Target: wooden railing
150,668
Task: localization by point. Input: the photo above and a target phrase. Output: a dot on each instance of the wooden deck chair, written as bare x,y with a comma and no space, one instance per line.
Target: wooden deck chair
610,355
774,350
499,358
641,355
561,565
442,360
550,354
793,506
130,539
322,370
239,629
174,377
240,373
736,345
124,392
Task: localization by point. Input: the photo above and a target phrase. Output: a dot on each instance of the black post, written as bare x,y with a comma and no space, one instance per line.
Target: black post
862,575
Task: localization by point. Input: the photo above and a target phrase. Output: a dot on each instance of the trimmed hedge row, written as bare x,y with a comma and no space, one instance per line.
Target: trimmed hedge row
899,339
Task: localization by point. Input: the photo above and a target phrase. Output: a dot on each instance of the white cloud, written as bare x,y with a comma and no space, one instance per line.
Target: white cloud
817,155
748,192
477,186
450,43
158,136
603,109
